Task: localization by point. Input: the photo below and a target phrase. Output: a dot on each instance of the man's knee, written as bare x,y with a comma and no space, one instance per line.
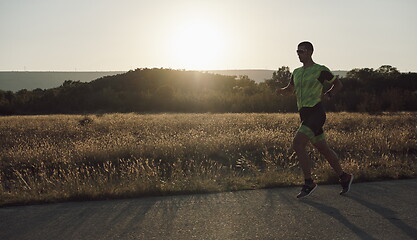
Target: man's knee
299,143
323,148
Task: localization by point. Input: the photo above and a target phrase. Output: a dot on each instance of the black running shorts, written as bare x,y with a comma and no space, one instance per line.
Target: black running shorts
312,121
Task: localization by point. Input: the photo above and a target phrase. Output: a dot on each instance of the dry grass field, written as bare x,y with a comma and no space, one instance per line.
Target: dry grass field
75,157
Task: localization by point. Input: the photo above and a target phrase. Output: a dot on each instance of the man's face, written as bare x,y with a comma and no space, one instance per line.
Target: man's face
303,53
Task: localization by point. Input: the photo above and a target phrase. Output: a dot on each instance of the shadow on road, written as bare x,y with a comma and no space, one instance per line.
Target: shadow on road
328,210
335,213
388,214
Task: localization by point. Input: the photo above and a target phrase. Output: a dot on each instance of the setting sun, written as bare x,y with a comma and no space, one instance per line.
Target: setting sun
197,45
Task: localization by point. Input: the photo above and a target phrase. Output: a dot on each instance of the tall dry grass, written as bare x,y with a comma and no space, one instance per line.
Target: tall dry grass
75,157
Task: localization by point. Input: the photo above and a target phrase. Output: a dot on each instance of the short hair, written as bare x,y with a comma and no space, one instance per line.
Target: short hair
307,45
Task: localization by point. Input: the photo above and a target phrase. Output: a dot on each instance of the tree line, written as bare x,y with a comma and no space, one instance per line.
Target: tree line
166,90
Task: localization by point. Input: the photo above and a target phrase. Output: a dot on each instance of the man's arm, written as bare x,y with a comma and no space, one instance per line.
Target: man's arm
336,87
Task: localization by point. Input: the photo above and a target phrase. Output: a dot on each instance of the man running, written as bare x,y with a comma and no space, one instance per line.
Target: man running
307,81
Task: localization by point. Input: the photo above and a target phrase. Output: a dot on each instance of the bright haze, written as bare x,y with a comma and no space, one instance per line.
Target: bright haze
104,35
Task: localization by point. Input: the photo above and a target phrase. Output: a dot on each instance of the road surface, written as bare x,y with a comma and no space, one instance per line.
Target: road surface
377,210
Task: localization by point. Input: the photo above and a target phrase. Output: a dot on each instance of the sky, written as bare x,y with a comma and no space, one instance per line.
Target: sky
122,35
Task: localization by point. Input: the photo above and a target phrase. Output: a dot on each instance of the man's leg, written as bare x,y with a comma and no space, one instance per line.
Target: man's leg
299,145
345,178
330,156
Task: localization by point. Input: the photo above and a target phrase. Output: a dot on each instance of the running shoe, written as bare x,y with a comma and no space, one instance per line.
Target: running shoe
346,181
307,190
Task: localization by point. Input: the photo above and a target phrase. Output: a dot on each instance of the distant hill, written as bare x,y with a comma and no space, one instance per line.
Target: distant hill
258,75
15,81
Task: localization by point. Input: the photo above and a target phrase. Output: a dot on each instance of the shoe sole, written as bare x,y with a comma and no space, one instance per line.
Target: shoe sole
348,188
312,190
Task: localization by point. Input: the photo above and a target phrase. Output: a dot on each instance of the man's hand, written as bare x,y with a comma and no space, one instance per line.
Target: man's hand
336,87
285,90
327,96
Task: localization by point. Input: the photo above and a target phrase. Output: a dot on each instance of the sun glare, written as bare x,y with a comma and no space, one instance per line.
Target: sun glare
197,45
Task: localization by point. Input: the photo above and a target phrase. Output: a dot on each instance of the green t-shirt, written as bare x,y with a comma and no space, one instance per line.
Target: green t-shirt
308,84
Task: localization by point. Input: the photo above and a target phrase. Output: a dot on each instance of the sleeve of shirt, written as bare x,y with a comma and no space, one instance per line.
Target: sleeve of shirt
326,75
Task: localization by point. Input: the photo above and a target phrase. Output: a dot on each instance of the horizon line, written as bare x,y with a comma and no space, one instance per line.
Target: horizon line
179,69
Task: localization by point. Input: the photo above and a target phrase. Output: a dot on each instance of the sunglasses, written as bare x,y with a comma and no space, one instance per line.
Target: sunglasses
301,51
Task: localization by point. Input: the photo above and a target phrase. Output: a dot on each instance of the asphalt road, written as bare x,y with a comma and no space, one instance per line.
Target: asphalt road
377,210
